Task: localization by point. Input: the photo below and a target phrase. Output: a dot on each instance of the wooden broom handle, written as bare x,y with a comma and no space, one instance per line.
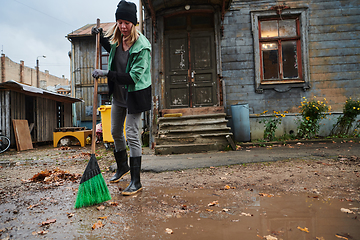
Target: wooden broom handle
97,58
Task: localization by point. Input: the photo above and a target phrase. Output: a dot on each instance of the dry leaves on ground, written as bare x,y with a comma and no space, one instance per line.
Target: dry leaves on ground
96,225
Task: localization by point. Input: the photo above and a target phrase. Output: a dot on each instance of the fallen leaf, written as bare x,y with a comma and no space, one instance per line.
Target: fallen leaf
98,224
343,236
42,232
338,236
209,210
269,237
47,222
213,203
114,203
225,210
169,231
70,215
320,238
246,214
305,229
32,206
102,218
101,207
266,195
345,210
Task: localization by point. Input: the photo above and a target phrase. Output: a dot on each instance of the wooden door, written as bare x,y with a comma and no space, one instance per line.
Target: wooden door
190,76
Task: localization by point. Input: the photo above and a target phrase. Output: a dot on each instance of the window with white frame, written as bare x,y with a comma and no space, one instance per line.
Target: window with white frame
280,48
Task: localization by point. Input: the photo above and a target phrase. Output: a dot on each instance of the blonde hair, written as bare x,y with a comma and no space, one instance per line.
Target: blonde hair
116,37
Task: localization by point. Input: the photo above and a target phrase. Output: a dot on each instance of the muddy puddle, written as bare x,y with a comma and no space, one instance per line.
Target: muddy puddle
179,213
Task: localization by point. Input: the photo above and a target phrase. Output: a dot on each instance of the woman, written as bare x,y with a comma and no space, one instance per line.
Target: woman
129,82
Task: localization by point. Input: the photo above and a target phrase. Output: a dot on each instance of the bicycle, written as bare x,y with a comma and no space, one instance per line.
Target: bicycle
4,143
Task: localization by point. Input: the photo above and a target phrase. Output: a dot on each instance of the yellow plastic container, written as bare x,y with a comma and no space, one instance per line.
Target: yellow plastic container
106,123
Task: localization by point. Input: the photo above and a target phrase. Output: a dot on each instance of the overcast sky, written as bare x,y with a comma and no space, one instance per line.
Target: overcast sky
32,28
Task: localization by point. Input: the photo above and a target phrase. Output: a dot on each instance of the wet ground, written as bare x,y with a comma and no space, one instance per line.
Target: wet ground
310,197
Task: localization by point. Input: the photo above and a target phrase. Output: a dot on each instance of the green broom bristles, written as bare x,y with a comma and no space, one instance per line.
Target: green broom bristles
92,188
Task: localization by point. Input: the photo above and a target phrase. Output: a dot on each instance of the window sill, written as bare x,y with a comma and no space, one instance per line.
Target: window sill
282,87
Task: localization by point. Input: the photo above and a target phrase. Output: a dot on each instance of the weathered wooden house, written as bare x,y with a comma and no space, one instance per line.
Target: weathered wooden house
209,55
82,63
44,110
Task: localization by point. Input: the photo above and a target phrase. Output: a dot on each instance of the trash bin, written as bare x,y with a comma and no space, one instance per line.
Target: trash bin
106,123
241,122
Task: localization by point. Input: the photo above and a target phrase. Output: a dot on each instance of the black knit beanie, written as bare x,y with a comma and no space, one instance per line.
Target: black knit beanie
126,11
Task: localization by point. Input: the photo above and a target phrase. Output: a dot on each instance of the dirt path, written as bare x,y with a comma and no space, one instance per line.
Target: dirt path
282,199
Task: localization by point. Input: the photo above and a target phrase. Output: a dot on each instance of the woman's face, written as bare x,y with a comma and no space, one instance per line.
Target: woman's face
124,27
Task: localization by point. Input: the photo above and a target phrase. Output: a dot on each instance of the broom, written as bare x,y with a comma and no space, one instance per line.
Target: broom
93,188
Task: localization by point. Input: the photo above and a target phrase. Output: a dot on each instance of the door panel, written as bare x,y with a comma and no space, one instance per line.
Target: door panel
203,69
190,76
177,64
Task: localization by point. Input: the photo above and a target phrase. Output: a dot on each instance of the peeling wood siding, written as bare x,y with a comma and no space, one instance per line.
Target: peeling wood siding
12,106
334,55
5,124
84,62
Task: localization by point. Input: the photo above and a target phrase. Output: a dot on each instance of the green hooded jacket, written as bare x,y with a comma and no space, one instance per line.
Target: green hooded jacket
138,65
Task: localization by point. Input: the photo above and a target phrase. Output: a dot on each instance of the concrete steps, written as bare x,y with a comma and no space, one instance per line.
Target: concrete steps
191,134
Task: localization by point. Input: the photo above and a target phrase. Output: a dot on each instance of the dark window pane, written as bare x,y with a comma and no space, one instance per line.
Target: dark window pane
287,28
270,61
177,22
204,20
269,29
289,54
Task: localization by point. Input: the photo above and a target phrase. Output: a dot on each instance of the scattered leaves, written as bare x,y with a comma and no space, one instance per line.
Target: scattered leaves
96,225
305,229
55,175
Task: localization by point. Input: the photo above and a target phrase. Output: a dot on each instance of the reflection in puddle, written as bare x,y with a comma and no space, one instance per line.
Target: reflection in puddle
181,213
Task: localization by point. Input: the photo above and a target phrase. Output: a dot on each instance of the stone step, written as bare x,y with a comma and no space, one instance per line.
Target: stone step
192,132
208,138
185,148
192,125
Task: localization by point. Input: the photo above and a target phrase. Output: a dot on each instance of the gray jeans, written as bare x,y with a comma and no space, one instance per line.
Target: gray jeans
118,115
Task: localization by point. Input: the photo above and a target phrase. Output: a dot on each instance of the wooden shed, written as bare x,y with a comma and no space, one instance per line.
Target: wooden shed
44,110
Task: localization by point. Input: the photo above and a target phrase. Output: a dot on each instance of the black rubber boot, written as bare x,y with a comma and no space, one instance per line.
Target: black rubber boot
122,165
135,185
